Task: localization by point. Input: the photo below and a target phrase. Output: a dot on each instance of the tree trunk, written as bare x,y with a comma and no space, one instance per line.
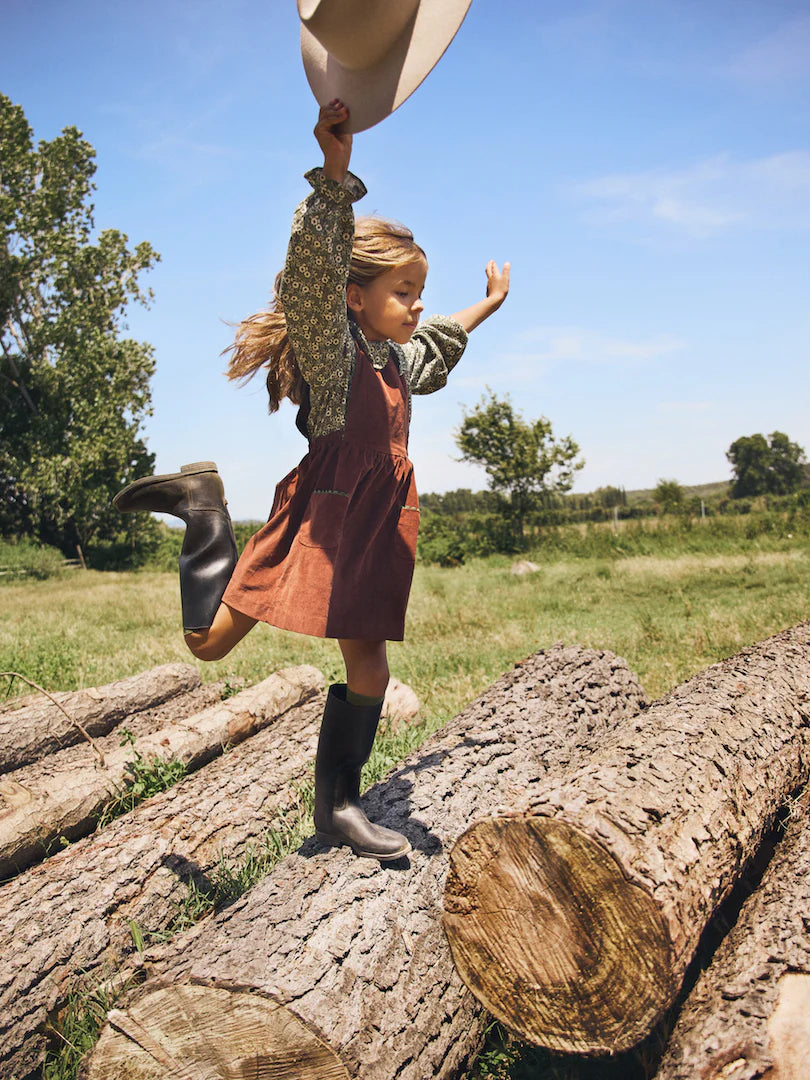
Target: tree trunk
573,917
66,802
68,921
749,1014
335,966
33,726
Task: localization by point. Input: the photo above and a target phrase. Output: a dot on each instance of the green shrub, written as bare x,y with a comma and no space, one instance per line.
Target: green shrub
27,559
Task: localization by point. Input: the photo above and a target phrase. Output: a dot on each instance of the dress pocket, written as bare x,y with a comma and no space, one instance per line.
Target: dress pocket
407,533
322,525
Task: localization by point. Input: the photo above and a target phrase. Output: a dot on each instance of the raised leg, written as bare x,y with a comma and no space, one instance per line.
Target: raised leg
227,629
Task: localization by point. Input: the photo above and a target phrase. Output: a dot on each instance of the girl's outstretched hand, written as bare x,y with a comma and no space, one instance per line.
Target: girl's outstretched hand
497,282
336,146
497,291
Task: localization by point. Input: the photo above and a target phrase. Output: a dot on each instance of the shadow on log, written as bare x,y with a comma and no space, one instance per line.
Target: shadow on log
573,916
749,1014
344,955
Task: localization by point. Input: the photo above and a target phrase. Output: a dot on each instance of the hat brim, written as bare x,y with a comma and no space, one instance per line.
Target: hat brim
373,93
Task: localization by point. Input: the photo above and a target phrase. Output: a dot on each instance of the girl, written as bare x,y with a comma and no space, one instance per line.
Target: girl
336,556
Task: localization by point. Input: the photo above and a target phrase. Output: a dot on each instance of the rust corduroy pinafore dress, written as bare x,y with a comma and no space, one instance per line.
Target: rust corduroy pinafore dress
336,557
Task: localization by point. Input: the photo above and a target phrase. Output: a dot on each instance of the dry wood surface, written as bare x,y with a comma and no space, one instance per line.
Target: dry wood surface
64,797
748,1016
32,727
335,966
67,922
574,915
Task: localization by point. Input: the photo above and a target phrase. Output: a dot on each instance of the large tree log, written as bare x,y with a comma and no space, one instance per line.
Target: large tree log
33,726
749,1013
334,966
67,921
67,802
573,919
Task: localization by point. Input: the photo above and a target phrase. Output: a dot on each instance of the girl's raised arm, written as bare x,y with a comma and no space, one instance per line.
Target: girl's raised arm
336,146
497,291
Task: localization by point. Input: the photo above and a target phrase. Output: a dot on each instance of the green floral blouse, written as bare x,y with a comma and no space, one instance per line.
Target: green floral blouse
313,292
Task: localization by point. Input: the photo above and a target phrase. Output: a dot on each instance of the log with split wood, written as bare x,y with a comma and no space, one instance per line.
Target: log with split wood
335,966
748,1015
573,916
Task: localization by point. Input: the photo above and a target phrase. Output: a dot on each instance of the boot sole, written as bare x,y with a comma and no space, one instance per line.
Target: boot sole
338,841
148,481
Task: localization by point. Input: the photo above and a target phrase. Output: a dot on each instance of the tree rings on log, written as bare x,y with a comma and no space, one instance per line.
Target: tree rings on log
552,938
192,1032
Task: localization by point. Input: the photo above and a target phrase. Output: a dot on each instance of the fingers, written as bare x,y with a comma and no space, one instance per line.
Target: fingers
497,280
331,115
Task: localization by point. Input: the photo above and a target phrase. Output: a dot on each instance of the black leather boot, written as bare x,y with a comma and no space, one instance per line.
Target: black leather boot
344,746
208,556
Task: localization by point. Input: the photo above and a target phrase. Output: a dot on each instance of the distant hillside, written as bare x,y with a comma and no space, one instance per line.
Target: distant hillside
702,491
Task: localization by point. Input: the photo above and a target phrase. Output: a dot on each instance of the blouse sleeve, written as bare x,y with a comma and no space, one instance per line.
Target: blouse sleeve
313,287
432,353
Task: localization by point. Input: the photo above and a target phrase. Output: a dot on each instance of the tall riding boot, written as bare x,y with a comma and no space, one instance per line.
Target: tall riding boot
344,746
208,556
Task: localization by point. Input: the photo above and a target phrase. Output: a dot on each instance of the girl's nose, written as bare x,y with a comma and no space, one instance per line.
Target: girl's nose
418,305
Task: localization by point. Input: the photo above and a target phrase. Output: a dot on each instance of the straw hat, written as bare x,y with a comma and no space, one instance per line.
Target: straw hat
373,54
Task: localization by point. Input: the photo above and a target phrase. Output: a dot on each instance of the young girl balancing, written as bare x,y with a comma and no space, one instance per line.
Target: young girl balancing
336,557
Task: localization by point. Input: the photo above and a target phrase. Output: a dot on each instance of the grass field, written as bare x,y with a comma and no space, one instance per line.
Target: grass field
669,604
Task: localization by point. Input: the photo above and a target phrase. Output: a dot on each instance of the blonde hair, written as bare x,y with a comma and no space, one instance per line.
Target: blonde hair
262,341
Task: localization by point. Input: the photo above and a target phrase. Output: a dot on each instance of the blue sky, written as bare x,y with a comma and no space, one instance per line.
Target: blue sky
644,164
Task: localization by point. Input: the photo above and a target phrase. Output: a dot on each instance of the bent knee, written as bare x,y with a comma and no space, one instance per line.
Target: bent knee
199,643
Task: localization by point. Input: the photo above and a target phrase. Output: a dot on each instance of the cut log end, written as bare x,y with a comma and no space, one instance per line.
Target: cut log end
193,1032
552,938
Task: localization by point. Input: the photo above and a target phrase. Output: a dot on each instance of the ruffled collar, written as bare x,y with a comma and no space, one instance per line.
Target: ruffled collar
377,351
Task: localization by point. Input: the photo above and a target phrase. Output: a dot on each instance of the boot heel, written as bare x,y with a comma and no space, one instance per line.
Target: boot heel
199,466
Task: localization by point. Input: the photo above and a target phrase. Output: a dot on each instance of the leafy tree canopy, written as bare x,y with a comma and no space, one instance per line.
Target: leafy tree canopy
73,390
772,466
522,459
669,495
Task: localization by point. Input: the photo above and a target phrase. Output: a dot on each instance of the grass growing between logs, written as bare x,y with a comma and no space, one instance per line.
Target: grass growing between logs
670,607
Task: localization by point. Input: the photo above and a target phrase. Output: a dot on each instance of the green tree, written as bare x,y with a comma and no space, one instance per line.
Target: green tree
522,458
73,390
772,466
670,496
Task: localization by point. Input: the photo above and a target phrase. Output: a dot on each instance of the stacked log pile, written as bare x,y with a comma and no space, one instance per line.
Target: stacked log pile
334,966
34,726
71,918
64,794
573,916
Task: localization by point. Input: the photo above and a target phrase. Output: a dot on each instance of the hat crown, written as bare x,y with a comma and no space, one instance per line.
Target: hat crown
357,33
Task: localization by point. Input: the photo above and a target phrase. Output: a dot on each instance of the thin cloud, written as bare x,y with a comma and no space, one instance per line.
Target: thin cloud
709,197
783,56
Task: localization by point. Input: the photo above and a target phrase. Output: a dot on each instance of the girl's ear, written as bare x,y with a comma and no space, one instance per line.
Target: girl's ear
354,297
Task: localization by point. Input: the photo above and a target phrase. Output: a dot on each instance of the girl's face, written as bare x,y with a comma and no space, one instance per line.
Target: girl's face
388,308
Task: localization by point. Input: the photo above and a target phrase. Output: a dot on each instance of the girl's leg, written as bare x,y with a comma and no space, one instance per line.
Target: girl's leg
366,667
347,735
227,629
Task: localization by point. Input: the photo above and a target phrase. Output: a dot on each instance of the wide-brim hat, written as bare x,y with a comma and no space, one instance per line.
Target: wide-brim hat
373,54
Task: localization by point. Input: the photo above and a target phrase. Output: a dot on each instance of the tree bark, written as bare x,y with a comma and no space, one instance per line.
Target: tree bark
573,918
68,921
335,966
67,801
749,1014
32,727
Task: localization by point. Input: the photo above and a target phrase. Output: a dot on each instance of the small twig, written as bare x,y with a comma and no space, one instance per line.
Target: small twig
76,724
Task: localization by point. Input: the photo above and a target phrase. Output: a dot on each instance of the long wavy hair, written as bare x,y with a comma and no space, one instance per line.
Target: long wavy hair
262,341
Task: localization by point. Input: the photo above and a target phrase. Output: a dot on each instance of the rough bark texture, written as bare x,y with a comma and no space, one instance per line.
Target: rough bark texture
748,1015
573,919
33,727
55,798
68,920
352,950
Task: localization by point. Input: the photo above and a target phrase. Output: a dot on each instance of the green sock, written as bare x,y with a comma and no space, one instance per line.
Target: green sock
361,700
